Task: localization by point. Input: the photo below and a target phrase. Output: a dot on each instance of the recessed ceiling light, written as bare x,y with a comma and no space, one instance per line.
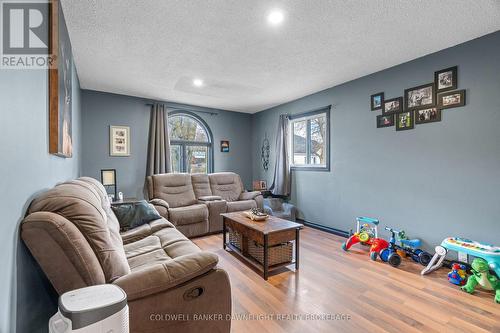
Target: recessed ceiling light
198,82
275,17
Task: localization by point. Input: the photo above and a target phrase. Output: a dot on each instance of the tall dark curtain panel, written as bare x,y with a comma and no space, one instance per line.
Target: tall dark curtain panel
282,180
159,143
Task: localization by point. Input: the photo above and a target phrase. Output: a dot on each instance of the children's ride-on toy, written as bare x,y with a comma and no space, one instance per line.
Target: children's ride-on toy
366,228
408,247
366,233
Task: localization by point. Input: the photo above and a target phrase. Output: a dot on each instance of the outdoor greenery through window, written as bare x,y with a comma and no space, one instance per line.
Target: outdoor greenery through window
309,140
190,144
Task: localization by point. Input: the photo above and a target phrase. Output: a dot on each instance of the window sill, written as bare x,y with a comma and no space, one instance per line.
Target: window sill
310,168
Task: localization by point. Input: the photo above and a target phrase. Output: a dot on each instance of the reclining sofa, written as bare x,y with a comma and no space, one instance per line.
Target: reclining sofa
193,202
74,236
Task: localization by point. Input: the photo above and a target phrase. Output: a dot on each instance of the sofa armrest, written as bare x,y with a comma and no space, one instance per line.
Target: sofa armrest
145,230
249,195
160,277
215,208
159,202
161,206
210,198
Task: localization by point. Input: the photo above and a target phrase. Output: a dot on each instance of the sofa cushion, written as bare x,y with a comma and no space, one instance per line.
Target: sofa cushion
165,244
84,203
237,206
135,214
227,185
144,230
189,214
175,188
201,185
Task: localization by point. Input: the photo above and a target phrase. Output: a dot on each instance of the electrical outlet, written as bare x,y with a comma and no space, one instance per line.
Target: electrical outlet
463,257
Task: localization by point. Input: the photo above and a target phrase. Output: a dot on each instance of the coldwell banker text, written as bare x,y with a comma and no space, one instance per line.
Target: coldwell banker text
25,35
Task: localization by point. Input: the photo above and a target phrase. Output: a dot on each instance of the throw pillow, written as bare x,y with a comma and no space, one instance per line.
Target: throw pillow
132,215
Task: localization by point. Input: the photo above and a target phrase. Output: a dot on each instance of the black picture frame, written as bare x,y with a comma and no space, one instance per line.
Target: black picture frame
411,106
461,101
372,101
399,101
422,117
401,114
112,186
454,79
224,146
380,120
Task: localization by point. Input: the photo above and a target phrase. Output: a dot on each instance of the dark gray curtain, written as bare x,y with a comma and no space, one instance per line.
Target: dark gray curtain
159,143
282,181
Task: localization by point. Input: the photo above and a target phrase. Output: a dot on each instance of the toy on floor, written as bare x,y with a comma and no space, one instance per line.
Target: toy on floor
481,276
489,253
458,274
366,233
408,247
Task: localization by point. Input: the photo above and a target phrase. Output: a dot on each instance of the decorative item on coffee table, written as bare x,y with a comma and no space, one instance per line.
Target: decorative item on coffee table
256,214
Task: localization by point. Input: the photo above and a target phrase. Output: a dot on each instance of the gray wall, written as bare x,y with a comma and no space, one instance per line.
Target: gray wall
100,110
437,180
27,300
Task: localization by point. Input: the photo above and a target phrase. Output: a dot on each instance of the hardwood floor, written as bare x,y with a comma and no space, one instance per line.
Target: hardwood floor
376,296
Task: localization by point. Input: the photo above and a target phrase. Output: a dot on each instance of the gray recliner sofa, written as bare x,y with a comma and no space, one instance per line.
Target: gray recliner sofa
194,202
74,236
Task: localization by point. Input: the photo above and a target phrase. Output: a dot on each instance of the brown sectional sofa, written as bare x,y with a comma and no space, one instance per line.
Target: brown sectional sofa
194,202
74,235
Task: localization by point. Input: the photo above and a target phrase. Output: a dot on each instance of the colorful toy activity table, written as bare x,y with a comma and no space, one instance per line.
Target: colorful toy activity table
488,252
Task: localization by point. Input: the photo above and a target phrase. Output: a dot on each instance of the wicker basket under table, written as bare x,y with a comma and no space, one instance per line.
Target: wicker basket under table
278,254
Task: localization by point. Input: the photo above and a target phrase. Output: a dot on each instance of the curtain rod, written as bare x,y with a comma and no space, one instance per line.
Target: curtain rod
187,109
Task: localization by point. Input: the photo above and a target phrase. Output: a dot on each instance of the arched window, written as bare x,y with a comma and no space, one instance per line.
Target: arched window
191,143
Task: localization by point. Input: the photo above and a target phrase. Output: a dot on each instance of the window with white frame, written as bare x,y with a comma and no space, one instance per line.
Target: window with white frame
309,140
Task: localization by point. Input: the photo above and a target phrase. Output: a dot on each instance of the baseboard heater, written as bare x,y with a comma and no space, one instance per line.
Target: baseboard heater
331,230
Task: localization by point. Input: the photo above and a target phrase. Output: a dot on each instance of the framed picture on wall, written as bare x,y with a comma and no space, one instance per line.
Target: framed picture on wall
427,115
393,105
385,120
420,97
60,85
446,79
119,141
376,101
404,121
224,146
259,185
451,99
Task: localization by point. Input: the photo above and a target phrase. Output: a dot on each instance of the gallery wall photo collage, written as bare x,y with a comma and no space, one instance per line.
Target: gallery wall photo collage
421,104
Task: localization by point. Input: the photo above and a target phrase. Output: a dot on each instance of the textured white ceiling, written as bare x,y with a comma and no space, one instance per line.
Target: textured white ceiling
154,48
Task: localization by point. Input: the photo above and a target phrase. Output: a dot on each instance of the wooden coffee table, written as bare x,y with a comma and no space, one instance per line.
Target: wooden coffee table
267,233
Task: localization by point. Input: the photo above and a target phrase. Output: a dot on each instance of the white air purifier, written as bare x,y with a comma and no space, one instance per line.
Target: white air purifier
97,309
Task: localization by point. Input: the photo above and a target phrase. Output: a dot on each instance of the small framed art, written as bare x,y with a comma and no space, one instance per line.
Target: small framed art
393,105
376,101
385,120
119,141
446,79
451,99
224,146
404,121
420,97
427,115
